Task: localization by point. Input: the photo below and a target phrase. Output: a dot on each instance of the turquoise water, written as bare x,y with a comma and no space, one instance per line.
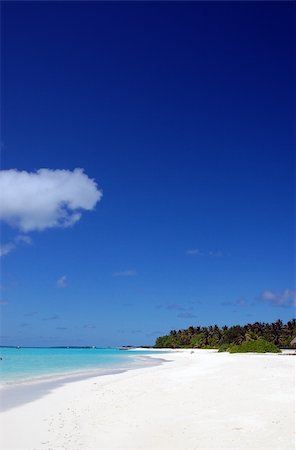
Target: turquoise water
25,364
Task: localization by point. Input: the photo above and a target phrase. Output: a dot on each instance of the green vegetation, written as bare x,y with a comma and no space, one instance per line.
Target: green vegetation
256,337
257,346
223,348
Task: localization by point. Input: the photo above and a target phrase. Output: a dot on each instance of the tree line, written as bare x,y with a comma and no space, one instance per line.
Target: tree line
278,333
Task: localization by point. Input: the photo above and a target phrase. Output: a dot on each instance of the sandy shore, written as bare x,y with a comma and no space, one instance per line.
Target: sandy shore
203,400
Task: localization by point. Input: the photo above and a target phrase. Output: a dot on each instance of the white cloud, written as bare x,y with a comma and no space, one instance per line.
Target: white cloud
5,249
197,252
216,253
62,282
125,273
46,198
194,252
23,239
284,298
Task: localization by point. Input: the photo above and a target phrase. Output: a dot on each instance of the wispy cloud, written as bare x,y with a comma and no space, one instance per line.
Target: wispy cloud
241,301
178,307
31,314
62,282
61,328
174,307
186,315
90,326
24,239
54,317
46,198
209,253
216,253
283,299
184,311
125,273
7,248
194,252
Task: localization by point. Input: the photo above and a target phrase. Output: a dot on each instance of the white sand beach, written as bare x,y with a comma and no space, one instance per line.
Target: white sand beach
202,400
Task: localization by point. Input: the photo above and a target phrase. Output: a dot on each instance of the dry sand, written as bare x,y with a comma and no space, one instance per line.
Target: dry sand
204,400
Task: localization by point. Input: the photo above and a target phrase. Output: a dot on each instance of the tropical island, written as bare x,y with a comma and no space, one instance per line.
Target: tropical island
257,337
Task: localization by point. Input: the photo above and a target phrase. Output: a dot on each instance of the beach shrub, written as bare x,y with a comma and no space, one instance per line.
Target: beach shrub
257,346
223,347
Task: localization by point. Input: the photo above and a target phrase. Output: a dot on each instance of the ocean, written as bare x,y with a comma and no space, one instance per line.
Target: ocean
29,364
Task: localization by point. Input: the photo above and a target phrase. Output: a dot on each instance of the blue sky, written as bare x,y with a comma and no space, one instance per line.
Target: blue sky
180,114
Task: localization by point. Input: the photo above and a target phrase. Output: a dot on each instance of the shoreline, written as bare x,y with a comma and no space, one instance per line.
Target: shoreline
16,393
201,400
130,360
